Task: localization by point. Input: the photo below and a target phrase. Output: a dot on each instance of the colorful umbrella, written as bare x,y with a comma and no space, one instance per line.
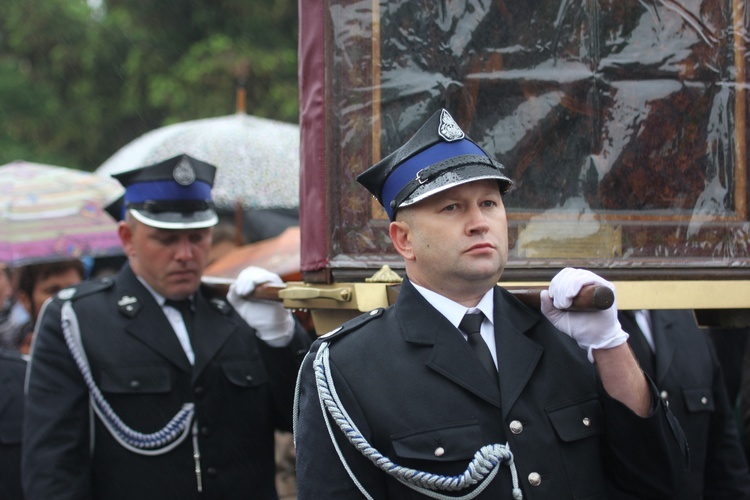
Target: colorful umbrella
257,159
50,213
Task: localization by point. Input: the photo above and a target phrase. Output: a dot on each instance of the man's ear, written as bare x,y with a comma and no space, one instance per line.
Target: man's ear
125,232
400,233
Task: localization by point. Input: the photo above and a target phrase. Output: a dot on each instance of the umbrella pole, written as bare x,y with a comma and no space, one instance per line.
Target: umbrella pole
239,239
241,108
241,98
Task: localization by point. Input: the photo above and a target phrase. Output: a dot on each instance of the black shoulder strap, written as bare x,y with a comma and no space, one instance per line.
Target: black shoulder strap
352,325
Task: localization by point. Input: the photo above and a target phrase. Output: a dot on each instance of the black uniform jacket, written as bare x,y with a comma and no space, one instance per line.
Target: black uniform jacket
12,373
241,387
689,377
407,378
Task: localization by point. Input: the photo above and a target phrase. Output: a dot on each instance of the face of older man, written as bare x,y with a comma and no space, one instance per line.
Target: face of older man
170,260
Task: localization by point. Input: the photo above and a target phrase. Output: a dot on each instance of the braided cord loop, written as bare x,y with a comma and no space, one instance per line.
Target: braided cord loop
481,470
156,443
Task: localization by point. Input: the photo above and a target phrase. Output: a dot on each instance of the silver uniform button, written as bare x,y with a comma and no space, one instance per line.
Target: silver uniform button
535,479
516,427
439,451
586,421
704,400
664,395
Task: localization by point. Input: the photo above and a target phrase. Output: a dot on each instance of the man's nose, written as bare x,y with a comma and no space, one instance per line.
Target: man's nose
477,222
184,250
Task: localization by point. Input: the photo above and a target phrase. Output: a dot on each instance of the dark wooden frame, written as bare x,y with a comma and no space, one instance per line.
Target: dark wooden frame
356,233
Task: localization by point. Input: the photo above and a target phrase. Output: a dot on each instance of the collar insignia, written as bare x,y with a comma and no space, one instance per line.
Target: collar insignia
221,305
128,305
126,300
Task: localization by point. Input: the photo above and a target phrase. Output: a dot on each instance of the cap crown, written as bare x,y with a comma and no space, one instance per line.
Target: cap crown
172,194
437,157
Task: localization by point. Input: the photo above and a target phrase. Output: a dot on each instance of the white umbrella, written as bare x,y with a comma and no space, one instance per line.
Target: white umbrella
257,159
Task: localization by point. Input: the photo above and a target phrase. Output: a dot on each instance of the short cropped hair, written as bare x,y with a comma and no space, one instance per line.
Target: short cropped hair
30,274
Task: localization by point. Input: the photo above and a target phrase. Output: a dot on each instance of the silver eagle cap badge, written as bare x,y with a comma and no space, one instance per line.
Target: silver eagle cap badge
448,128
183,173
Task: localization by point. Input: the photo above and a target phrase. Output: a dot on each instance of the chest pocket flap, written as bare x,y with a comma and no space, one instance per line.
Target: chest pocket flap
453,442
135,380
578,420
245,373
698,400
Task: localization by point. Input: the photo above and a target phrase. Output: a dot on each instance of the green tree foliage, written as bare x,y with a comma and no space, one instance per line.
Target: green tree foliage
79,81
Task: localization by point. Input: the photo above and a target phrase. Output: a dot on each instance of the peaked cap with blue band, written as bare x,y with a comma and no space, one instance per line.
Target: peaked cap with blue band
172,194
438,157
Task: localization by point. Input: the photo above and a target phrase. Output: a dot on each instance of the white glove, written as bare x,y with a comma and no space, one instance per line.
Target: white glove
272,322
592,330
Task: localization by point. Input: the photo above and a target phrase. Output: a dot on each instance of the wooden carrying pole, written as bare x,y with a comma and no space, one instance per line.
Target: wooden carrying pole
590,298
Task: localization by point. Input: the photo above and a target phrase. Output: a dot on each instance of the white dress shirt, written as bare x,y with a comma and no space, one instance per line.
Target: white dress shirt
175,319
454,312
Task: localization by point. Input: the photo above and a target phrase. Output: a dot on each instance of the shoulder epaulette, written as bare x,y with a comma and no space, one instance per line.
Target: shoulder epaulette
85,288
352,324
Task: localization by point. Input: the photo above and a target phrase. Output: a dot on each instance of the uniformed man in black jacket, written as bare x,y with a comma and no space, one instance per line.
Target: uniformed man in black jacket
144,386
680,358
419,399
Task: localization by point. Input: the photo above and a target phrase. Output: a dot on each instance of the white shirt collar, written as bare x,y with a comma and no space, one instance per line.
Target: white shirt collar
453,311
175,319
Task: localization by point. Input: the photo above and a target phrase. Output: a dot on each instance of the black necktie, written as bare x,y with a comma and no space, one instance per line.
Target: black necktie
638,343
187,314
471,325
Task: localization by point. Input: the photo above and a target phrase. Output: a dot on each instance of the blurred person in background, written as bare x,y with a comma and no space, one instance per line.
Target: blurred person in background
12,370
12,314
680,358
36,284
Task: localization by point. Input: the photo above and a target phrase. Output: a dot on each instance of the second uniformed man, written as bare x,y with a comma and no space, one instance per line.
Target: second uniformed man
142,386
